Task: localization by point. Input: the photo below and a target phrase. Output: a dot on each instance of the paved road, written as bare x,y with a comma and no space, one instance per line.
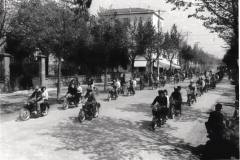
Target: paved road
121,132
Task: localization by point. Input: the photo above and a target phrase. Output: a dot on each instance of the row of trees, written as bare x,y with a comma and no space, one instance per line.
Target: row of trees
196,56
95,44
220,16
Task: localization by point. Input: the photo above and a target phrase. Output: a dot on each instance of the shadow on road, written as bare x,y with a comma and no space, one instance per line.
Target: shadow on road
136,108
106,138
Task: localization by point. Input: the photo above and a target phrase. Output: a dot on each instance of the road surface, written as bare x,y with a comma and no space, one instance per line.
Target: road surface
122,132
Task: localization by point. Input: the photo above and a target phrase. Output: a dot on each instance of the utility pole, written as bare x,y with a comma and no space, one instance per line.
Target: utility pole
158,65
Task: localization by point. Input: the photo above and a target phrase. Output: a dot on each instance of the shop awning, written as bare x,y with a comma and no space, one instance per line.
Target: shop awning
163,63
140,63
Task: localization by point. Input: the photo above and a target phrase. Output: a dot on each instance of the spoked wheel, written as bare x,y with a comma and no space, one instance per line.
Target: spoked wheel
81,116
97,111
109,97
153,125
45,112
24,114
65,104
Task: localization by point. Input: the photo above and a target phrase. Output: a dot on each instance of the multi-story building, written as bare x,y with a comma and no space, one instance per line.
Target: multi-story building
133,15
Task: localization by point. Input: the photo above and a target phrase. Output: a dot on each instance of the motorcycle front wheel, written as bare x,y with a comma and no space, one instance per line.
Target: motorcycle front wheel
65,105
24,114
81,116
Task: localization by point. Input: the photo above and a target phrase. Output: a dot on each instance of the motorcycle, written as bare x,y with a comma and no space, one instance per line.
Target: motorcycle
199,90
30,110
175,110
212,85
130,91
191,99
112,95
70,102
159,116
162,82
88,111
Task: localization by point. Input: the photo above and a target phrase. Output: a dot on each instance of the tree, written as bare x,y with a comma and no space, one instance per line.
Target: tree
172,44
52,27
132,35
222,19
186,54
109,44
5,16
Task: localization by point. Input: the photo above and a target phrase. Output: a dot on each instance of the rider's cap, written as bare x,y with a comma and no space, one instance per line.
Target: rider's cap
218,106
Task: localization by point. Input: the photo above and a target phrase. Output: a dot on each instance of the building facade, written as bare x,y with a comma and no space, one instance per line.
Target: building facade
133,16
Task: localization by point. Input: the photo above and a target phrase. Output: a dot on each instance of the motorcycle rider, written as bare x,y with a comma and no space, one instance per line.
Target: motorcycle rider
118,85
207,83
199,86
90,83
176,98
113,91
71,94
90,99
141,82
79,93
203,85
131,87
215,125
191,91
44,95
213,81
166,95
36,97
161,107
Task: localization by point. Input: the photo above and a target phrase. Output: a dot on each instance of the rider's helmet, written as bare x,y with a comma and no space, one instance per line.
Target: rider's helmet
218,107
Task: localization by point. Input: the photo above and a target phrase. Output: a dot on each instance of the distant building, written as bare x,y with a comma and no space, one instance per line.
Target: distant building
133,15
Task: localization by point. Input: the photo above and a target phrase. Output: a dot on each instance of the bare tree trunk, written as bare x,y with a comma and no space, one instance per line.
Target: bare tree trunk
151,73
105,79
59,79
170,64
132,66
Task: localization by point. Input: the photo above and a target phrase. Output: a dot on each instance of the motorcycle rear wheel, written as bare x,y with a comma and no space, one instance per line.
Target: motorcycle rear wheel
24,114
44,113
153,125
81,116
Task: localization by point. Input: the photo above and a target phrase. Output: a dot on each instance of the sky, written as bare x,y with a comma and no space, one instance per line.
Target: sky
192,28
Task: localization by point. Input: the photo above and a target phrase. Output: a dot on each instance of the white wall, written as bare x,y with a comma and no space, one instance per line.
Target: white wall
144,17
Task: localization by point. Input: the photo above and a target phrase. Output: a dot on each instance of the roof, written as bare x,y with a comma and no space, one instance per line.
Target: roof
128,11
